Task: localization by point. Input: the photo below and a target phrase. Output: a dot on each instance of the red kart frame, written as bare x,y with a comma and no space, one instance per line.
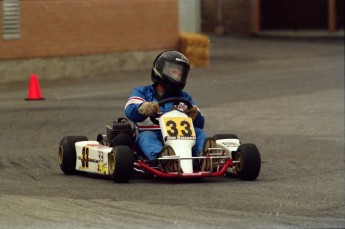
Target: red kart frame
228,163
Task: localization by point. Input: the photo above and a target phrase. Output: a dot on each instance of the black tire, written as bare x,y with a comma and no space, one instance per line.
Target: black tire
225,136
249,159
67,156
121,164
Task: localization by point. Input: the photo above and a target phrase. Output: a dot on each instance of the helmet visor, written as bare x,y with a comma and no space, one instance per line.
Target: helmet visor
174,71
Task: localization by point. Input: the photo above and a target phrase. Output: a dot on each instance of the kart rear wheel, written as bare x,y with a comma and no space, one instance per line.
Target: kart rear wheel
249,160
225,136
121,164
67,156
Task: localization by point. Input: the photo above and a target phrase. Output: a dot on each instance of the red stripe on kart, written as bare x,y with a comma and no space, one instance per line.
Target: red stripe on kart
160,173
149,127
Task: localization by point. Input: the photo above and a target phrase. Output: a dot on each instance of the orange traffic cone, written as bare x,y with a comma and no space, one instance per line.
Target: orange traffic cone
34,89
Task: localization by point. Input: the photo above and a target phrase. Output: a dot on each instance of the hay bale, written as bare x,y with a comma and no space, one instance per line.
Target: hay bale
196,47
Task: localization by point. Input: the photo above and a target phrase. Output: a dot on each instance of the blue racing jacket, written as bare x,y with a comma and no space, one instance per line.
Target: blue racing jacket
146,94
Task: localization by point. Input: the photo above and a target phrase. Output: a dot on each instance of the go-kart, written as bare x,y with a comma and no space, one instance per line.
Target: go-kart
113,154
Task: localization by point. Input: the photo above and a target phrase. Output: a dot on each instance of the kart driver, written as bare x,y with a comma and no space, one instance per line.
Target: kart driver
169,75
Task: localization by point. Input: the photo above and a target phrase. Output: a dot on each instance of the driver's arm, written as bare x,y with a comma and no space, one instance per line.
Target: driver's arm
136,99
199,121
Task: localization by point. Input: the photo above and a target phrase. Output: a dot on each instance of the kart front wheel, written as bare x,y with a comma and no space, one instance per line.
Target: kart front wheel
249,161
121,164
67,156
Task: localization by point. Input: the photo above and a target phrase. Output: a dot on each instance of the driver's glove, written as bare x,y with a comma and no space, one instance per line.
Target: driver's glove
148,108
191,112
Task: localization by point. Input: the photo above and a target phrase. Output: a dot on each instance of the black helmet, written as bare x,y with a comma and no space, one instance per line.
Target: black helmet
170,69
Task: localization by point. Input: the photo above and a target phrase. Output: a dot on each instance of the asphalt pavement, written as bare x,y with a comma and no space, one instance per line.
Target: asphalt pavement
286,95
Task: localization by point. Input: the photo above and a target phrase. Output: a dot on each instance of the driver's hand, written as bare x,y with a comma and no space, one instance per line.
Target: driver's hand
149,108
191,112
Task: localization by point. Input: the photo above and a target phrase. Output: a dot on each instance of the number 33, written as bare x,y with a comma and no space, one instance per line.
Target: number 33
184,126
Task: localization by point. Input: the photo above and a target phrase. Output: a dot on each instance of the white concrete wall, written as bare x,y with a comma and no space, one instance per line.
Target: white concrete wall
190,15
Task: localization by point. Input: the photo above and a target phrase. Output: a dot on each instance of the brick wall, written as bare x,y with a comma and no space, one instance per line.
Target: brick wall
235,16
65,28
208,15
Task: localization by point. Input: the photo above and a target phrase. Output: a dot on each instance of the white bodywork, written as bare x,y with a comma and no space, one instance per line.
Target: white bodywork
229,145
182,145
92,157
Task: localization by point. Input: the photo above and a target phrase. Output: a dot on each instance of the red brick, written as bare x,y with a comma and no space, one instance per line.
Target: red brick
64,27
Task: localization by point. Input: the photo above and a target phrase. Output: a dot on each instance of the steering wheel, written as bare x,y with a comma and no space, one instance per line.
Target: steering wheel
175,101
